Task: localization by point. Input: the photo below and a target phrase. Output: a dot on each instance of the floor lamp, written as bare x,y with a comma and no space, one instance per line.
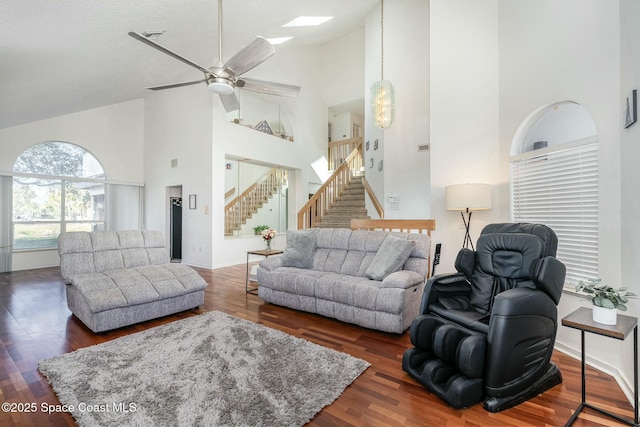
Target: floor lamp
467,198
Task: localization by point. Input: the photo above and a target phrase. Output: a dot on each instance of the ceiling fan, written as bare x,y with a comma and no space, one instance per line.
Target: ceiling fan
223,78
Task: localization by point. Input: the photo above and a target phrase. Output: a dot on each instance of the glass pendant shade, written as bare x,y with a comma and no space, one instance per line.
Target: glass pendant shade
382,103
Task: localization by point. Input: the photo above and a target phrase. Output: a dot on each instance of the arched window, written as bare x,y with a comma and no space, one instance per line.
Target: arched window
554,181
57,187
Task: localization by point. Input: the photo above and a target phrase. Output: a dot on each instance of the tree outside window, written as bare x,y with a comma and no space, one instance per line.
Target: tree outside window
57,187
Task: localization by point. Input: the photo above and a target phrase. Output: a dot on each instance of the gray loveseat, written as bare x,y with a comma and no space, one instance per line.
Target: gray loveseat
118,278
373,279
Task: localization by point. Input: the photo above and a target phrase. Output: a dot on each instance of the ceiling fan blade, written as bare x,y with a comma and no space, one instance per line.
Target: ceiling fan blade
250,56
171,86
169,52
270,88
230,102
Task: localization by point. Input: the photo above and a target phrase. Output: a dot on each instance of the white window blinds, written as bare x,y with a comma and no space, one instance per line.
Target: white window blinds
559,187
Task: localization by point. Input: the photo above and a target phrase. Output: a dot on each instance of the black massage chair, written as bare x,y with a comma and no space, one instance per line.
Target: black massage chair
487,332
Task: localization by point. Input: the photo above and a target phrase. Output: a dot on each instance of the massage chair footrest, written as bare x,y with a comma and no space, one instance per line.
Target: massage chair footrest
448,360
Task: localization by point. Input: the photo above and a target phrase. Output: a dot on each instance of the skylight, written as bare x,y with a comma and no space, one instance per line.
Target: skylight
279,40
308,21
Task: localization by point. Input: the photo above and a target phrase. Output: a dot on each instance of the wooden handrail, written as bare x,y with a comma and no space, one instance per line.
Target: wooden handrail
318,205
246,204
230,193
340,150
374,199
405,225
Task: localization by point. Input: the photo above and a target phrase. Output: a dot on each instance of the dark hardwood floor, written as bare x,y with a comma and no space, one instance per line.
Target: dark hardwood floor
36,324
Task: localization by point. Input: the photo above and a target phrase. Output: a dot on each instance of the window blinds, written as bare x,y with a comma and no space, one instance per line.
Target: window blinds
560,189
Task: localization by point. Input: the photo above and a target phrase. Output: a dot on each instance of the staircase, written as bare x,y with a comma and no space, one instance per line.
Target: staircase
348,206
243,207
342,196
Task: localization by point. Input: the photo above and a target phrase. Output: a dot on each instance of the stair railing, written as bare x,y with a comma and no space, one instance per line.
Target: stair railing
340,150
318,205
373,198
238,210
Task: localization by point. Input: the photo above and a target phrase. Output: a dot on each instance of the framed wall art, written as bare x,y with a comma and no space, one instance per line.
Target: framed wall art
631,109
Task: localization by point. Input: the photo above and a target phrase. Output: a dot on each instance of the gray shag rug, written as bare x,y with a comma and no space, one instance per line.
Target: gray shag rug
211,370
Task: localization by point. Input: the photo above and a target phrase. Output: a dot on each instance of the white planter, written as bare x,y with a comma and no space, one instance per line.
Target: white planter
606,316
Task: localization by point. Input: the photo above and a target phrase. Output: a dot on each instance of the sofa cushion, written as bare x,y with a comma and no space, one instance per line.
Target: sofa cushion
130,239
301,245
104,240
108,260
75,242
153,239
391,256
135,257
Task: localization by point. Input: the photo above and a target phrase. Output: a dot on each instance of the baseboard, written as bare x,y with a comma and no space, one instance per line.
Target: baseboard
600,365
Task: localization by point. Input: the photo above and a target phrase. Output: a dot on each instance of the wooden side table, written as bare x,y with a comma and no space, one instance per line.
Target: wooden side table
582,319
261,252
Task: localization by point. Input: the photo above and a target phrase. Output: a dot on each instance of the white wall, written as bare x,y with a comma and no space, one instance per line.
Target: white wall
113,134
406,65
343,68
340,125
553,51
178,126
308,116
372,73
406,171
630,175
465,139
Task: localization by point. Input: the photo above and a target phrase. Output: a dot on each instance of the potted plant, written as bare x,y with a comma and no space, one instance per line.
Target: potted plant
258,229
606,300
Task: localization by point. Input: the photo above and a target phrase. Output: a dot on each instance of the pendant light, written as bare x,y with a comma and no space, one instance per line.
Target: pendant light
382,94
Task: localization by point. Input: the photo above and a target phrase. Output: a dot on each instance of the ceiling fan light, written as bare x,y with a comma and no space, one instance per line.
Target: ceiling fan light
220,87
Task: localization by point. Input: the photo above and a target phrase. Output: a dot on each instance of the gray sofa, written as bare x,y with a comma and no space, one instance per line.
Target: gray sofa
118,278
373,279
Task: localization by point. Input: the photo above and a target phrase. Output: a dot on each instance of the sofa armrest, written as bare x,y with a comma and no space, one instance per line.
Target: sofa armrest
271,263
402,279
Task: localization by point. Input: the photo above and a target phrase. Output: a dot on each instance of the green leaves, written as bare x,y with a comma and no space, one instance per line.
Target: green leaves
604,295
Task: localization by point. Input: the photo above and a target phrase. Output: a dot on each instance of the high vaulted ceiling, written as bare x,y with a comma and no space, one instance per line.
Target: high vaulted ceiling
63,56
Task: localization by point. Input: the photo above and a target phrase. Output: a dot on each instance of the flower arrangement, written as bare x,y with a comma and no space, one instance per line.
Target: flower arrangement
260,228
604,295
268,235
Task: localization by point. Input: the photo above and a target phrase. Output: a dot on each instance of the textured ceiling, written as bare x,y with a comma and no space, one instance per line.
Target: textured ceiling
63,56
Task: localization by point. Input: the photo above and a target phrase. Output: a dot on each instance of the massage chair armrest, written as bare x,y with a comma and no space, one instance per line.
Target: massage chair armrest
271,263
520,340
403,279
447,284
524,302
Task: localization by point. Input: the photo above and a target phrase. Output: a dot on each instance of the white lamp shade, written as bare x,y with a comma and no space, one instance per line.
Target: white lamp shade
474,197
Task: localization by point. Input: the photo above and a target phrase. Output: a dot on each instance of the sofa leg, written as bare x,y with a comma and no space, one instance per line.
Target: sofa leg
551,378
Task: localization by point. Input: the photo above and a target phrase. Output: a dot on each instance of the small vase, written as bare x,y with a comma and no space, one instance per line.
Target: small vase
268,245
606,316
